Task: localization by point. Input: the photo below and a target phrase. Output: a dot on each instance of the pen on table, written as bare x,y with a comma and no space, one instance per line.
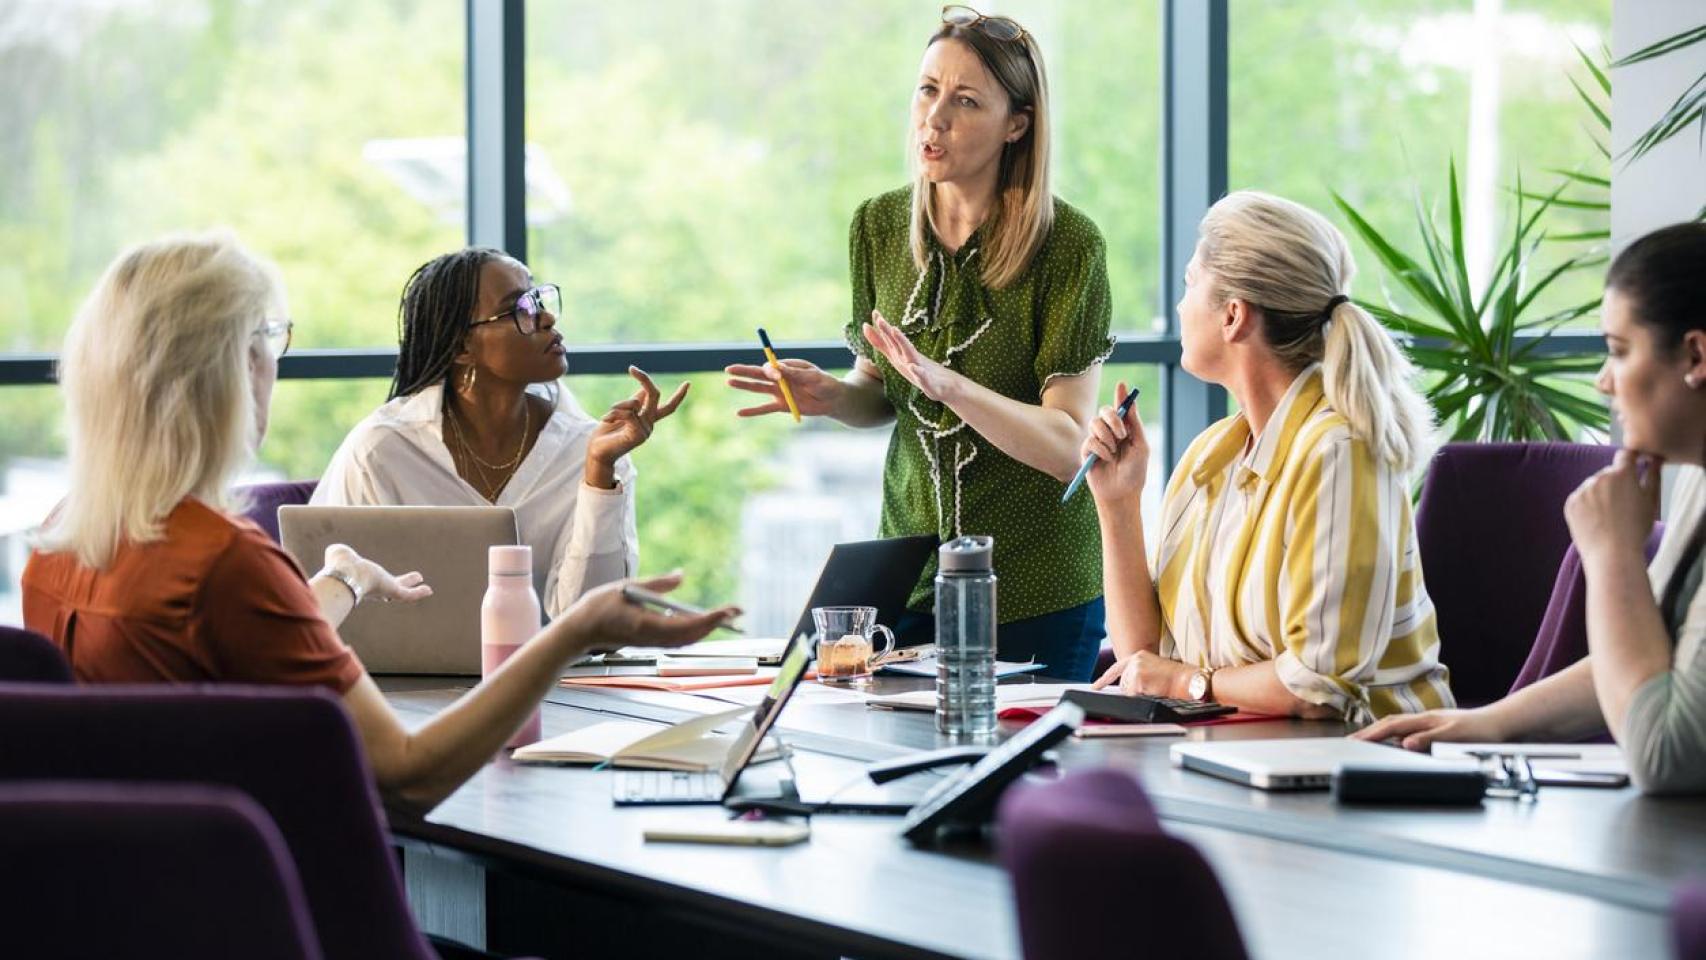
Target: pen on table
770,355
658,601
1090,461
898,655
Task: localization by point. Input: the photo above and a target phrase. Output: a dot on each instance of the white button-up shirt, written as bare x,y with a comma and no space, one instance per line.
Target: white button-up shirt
581,536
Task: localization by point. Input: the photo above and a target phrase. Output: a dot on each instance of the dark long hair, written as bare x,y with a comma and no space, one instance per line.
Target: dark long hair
1663,275
433,316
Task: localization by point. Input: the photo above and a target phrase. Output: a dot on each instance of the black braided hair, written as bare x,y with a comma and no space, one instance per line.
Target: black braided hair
1661,275
433,316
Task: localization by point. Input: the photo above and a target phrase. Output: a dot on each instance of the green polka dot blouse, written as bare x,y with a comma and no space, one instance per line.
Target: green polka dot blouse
940,476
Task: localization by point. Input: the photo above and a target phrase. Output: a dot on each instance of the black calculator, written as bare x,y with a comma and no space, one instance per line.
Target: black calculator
1145,709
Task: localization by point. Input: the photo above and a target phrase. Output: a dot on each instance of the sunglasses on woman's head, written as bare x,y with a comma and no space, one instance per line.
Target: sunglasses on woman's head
995,28
545,298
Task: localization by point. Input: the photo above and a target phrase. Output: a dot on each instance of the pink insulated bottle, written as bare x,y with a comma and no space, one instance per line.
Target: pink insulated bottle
509,617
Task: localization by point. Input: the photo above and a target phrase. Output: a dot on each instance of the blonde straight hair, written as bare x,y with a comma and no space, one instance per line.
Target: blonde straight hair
1024,203
158,397
1295,267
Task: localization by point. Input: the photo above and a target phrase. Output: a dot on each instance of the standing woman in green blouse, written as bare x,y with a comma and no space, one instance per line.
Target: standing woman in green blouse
980,322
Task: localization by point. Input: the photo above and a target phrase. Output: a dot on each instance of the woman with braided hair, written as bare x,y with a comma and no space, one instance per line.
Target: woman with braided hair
476,417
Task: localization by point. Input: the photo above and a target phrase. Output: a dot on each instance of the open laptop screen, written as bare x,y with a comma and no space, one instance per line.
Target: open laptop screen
870,573
775,698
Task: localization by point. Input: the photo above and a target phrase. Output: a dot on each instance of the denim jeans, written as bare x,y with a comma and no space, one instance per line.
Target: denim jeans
1067,640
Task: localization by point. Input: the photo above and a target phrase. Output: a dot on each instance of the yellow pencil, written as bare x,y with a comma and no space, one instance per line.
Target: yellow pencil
770,354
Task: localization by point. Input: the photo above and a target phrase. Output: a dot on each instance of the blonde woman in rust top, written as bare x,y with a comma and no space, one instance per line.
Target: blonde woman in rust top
145,574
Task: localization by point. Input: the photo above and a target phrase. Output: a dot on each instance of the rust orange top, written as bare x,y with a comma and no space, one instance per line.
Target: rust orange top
214,600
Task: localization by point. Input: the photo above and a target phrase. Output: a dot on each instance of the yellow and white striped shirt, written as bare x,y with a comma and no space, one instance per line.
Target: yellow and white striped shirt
1303,552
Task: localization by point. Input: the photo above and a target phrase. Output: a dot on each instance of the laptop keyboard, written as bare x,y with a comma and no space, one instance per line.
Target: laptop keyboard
666,786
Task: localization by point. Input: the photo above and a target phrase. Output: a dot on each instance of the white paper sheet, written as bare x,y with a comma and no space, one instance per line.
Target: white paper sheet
808,692
1563,757
1007,695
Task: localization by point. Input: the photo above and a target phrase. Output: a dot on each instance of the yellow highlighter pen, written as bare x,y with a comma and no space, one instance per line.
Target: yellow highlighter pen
770,355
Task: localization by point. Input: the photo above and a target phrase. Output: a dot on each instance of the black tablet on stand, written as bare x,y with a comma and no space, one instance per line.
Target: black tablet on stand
965,802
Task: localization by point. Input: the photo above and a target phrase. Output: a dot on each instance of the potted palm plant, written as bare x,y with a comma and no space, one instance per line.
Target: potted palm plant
1491,373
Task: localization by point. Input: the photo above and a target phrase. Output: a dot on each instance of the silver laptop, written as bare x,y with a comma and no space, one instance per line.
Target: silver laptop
437,635
669,787
1304,763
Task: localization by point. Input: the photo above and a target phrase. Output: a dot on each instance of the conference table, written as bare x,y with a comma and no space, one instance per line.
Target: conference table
536,860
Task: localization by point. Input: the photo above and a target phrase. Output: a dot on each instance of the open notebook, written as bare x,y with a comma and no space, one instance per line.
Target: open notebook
692,746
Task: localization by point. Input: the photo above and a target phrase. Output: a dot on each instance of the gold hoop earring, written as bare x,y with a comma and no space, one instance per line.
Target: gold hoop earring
468,380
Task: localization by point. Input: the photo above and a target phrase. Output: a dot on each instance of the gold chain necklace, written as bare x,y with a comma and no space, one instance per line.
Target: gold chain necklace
480,480
485,486
526,428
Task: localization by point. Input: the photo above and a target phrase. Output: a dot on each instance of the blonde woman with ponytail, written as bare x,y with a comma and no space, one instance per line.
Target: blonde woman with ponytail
1286,578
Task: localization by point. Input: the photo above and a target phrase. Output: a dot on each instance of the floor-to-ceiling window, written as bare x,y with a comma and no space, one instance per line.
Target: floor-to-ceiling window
690,170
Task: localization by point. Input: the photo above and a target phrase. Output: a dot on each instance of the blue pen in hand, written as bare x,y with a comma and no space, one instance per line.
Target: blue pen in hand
1090,461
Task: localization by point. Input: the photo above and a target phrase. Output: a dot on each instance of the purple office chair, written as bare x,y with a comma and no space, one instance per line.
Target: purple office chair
293,750
1563,635
265,499
28,657
1087,849
189,871
1490,527
1688,919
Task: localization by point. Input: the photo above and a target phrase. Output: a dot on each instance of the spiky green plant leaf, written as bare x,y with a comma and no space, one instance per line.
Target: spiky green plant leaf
1689,107
1480,349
